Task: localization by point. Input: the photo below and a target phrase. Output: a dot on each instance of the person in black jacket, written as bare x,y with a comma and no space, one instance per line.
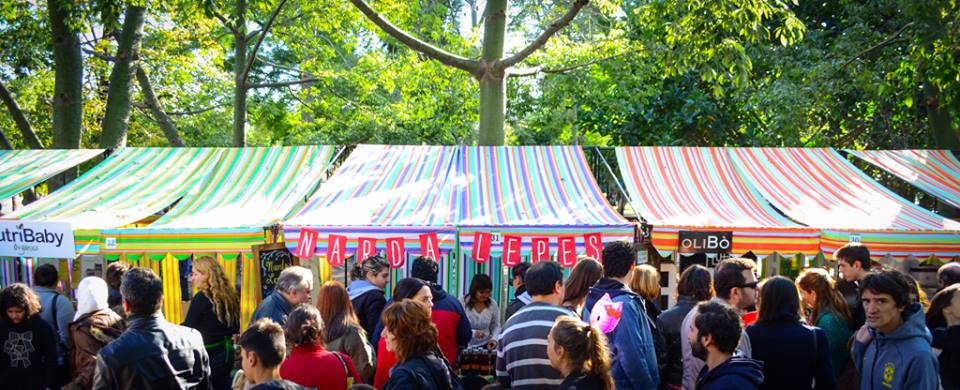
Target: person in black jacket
695,285
215,312
714,336
943,320
152,353
579,351
794,355
410,334
28,359
370,278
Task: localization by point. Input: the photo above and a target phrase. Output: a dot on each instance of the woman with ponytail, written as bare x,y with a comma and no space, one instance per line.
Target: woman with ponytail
215,312
828,312
370,278
309,364
579,351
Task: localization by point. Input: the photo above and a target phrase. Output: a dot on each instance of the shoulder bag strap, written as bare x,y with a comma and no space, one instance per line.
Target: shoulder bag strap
346,369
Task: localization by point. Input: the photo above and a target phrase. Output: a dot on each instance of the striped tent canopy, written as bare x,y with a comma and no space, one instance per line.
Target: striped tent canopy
685,188
821,189
22,169
381,192
936,172
530,192
249,189
125,188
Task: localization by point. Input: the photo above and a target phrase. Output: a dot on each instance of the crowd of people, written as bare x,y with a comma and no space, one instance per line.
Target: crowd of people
601,327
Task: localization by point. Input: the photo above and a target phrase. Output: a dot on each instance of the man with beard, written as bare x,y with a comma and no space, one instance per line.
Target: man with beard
735,282
713,339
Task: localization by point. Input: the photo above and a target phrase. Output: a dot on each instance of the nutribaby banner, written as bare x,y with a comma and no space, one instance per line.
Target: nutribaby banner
36,239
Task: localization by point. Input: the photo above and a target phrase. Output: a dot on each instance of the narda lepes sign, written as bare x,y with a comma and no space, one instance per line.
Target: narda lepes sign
693,241
36,239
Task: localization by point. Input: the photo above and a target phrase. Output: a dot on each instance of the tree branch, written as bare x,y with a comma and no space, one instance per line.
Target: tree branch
218,15
102,56
278,66
412,42
29,136
281,84
895,38
544,36
564,70
256,47
169,129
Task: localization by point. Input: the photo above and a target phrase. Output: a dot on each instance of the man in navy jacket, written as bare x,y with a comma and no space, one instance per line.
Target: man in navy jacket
714,337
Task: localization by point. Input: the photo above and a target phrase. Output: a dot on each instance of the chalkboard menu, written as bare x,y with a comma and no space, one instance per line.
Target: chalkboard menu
270,259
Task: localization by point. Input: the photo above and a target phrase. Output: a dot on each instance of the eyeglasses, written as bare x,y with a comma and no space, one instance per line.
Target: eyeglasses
748,285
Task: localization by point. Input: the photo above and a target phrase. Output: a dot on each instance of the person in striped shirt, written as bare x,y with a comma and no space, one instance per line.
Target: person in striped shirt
522,361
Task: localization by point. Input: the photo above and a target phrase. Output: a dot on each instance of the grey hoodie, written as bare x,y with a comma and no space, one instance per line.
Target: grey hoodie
901,359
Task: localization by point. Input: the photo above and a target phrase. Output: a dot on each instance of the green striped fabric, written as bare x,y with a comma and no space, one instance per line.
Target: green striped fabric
22,169
125,188
250,187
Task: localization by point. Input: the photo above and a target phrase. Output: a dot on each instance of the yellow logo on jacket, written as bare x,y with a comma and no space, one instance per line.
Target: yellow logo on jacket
888,370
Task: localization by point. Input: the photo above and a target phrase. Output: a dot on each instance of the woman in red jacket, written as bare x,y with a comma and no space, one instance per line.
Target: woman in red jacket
310,365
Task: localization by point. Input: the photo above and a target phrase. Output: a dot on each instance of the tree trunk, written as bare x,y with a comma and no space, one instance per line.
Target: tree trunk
117,112
941,124
4,141
166,124
68,85
493,83
29,136
240,89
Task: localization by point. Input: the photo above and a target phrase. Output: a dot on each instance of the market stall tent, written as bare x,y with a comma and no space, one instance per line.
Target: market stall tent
529,192
384,192
821,189
936,172
225,214
687,188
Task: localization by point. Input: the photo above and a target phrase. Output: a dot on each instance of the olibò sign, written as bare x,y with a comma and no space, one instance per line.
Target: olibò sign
693,241
36,239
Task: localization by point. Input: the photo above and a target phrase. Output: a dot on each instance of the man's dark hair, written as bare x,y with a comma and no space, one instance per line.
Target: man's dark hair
720,321
542,278
696,282
729,274
425,268
143,290
892,282
618,257
949,274
46,275
114,274
264,338
852,252
519,270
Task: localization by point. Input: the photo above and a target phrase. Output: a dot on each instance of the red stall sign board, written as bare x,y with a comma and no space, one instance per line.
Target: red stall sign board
430,246
567,251
541,249
336,246
593,244
511,250
366,247
395,252
307,245
481,247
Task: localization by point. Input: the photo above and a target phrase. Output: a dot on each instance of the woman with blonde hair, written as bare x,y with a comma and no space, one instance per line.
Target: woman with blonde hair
829,312
646,283
579,351
411,335
215,312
